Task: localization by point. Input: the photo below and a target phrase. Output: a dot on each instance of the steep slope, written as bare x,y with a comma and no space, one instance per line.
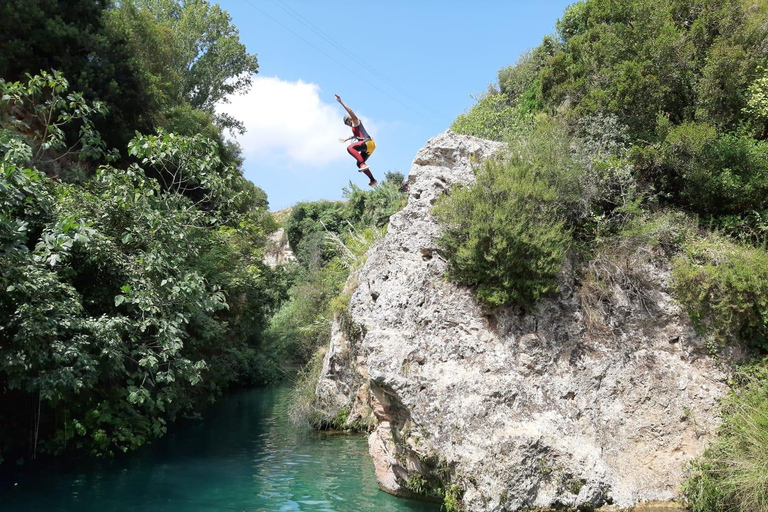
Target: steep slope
505,410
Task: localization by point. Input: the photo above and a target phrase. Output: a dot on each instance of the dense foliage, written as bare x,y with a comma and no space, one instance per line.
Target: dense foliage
188,53
153,63
73,38
132,282
330,240
664,110
663,102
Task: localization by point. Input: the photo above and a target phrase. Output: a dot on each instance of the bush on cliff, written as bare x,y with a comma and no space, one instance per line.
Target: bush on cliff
507,234
724,287
731,476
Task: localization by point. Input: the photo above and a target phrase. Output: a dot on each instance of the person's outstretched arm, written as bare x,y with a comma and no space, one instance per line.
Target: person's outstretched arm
355,120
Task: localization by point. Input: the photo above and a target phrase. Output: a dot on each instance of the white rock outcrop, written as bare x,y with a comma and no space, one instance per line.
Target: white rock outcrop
513,410
278,251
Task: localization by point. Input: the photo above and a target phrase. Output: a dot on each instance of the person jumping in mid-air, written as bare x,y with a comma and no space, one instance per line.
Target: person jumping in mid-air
363,146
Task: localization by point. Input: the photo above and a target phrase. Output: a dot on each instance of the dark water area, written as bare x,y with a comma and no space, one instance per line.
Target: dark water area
242,456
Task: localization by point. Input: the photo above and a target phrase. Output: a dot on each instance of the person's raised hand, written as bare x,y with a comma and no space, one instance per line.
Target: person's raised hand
338,98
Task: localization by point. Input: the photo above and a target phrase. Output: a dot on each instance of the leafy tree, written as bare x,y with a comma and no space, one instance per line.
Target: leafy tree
152,63
71,37
203,60
47,34
152,47
35,115
128,299
306,228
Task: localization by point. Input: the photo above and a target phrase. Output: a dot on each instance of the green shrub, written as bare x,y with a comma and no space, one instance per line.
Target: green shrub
722,177
731,476
492,117
724,287
452,498
503,236
306,228
126,300
507,234
375,207
304,408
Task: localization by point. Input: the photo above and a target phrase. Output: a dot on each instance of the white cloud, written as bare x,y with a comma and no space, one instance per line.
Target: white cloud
288,123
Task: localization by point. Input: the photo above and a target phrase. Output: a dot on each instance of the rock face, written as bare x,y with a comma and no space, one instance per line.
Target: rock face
278,250
509,410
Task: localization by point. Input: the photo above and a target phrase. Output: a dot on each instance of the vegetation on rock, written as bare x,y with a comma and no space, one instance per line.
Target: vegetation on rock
661,113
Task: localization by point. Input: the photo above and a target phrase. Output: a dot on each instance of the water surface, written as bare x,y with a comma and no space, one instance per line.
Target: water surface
242,456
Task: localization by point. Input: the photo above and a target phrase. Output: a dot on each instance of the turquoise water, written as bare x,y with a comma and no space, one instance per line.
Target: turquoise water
242,456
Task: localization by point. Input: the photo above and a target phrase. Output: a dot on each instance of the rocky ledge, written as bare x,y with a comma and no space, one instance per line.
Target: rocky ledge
504,410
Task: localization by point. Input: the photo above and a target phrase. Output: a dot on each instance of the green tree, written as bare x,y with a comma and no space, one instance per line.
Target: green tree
306,229
71,37
49,125
128,299
202,61
47,34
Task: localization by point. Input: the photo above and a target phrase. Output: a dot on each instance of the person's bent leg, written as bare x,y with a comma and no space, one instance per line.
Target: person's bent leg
366,170
368,173
355,150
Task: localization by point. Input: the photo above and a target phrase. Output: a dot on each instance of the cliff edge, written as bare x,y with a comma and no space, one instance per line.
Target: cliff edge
505,410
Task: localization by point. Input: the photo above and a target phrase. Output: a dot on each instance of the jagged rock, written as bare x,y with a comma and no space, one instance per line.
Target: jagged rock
515,410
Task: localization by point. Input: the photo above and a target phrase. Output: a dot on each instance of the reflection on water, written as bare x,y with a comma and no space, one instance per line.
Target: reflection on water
244,456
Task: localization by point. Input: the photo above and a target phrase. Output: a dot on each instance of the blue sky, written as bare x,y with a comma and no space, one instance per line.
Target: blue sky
407,69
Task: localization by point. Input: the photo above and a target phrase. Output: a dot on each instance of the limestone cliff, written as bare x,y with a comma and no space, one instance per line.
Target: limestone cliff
512,410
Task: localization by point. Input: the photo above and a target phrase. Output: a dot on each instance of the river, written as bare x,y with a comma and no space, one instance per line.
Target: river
243,455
